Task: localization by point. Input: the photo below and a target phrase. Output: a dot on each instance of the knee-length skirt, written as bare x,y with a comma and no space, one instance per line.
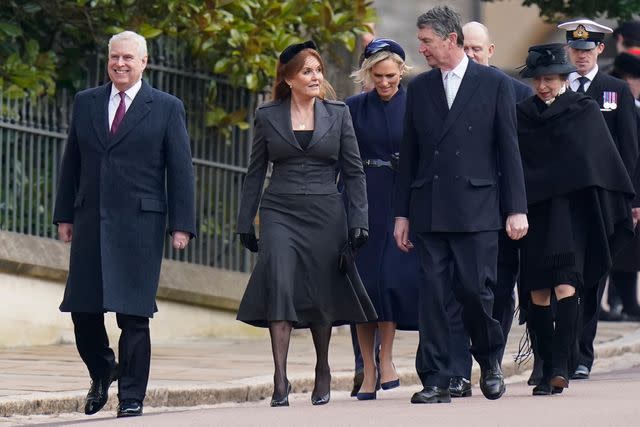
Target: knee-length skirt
296,277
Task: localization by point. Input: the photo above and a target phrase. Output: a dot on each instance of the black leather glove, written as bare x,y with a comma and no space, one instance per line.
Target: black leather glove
249,241
358,237
395,161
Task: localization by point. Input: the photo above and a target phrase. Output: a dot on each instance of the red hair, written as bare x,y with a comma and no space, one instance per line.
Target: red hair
281,89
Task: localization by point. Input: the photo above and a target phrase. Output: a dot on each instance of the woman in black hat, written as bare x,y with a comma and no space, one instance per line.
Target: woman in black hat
578,195
390,276
298,281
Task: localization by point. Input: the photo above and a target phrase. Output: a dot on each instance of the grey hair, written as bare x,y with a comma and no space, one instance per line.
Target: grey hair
443,20
363,74
131,35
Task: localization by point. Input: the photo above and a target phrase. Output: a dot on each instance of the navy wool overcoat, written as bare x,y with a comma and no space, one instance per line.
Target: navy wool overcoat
117,191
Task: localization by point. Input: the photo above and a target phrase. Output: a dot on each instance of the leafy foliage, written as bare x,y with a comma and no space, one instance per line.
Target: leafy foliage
558,10
44,42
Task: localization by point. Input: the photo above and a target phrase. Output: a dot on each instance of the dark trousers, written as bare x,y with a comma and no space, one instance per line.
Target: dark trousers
134,351
465,264
504,303
588,313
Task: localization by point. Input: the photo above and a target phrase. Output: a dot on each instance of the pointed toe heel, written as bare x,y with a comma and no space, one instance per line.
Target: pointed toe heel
321,400
281,401
366,396
390,384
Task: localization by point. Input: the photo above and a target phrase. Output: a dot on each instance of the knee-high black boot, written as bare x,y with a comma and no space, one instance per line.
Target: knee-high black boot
563,338
541,324
280,335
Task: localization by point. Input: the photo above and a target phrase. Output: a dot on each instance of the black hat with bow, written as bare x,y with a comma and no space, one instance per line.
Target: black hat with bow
547,59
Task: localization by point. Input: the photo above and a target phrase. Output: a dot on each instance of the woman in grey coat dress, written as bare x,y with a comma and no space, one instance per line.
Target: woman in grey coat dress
303,224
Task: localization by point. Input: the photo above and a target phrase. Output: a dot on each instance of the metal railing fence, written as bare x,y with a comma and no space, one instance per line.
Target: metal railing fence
33,134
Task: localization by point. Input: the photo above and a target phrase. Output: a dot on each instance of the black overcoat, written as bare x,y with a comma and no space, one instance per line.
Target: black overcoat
117,191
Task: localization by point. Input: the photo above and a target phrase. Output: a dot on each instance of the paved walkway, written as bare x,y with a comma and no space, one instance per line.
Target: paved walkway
52,379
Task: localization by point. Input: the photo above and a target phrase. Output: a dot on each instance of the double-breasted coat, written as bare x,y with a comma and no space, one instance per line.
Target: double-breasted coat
117,191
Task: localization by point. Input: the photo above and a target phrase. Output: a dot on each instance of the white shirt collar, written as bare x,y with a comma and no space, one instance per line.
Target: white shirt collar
590,75
460,69
131,92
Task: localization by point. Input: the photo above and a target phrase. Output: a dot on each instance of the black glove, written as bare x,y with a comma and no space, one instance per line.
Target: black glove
395,161
358,237
249,241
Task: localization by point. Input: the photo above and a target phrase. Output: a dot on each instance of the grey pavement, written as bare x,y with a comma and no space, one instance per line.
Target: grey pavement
187,373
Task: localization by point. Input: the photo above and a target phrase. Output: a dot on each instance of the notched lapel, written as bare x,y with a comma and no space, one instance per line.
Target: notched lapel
322,122
280,118
468,87
100,114
139,108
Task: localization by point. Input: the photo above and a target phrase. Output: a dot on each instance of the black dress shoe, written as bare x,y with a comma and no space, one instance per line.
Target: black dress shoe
492,381
459,387
581,373
357,383
432,394
129,408
543,389
99,392
321,400
281,400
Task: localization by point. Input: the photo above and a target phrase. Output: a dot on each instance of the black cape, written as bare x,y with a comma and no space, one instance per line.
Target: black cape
567,148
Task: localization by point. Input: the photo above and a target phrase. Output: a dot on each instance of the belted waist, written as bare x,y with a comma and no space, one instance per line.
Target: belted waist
376,163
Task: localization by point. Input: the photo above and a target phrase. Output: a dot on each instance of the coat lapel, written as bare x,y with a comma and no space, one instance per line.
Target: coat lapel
137,111
280,118
595,89
322,122
467,88
436,90
100,113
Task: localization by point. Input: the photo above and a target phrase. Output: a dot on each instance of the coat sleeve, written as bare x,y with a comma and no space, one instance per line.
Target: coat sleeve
409,157
69,172
352,175
512,191
180,175
254,181
627,130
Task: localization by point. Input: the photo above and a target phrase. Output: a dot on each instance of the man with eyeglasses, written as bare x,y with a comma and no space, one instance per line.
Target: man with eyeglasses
460,174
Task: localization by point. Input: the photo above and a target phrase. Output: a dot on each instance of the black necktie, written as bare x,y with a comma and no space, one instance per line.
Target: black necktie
583,80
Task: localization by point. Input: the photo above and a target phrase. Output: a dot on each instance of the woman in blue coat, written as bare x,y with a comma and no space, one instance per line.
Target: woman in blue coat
390,276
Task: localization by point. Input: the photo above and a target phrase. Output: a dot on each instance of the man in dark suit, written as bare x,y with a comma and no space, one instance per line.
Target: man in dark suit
125,142
585,40
460,124
479,47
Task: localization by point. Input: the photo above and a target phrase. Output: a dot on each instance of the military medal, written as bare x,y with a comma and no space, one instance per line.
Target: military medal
609,100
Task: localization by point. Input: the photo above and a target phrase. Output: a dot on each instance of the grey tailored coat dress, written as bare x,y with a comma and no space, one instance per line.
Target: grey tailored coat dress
303,223
112,189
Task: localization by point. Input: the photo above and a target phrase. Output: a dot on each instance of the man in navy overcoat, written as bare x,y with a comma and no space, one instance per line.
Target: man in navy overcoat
126,167
460,124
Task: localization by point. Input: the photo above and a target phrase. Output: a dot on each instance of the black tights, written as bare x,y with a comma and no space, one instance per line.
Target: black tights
280,333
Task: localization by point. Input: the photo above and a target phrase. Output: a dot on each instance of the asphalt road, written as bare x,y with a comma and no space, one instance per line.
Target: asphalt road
607,399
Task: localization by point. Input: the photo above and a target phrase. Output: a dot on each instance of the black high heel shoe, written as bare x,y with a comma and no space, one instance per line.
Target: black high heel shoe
281,401
324,399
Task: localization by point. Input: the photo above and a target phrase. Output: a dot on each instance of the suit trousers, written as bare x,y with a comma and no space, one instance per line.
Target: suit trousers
504,304
465,264
588,313
134,351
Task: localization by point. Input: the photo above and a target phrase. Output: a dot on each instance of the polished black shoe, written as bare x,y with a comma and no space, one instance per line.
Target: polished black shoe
129,408
432,394
321,400
581,373
492,381
543,389
99,392
283,400
459,387
357,383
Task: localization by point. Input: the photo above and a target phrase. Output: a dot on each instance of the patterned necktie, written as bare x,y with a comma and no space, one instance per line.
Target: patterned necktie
448,88
583,80
122,108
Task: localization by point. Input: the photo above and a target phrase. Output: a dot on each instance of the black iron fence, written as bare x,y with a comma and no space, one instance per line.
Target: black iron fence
33,134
